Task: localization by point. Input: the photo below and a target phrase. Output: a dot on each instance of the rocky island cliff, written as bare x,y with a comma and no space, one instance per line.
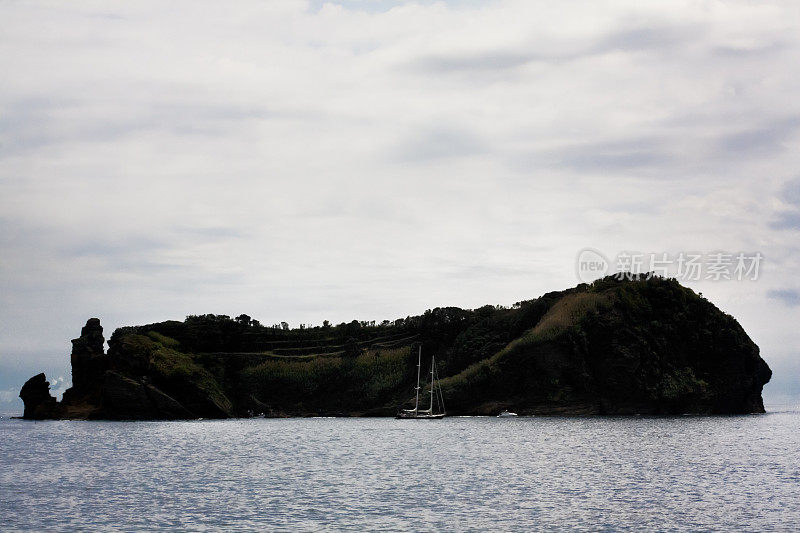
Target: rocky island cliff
640,346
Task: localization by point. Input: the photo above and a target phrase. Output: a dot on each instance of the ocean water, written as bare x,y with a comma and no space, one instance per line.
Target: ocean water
729,473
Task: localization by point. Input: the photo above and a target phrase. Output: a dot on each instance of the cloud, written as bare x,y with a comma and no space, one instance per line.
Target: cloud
764,139
788,217
9,395
787,220
648,37
630,154
434,143
557,50
791,192
739,52
330,160
107,248
789,297
58,386
497,60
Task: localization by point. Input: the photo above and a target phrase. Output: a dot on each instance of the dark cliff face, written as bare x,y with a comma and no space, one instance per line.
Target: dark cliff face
671,351
89,364
612,347
621,347
88,356
126,383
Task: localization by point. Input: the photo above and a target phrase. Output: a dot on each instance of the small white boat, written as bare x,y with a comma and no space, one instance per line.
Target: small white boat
506,414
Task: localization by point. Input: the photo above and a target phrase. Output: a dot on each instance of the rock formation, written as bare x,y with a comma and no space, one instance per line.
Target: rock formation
89,364
88,356
39,404
121,385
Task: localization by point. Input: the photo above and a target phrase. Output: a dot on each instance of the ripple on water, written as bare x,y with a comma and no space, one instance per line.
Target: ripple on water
457,473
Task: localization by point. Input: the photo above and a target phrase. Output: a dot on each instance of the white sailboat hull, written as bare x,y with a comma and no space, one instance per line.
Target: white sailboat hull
420,416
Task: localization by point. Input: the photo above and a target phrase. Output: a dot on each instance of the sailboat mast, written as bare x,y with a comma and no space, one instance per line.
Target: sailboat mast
440,397
432,385
419,364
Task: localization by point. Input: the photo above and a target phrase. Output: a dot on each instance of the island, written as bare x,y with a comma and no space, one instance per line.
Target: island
621,345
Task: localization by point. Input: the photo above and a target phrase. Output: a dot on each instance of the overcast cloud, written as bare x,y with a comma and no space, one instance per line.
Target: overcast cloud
309,161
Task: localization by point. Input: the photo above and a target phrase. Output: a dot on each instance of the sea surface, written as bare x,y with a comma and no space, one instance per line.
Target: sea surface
732,473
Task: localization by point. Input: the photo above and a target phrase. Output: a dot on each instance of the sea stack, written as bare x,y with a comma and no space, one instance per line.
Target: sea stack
39,404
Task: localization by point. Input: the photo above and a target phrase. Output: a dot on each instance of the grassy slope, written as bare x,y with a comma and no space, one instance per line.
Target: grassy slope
182,375
494,379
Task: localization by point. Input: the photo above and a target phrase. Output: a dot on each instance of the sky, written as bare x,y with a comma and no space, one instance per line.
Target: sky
308,161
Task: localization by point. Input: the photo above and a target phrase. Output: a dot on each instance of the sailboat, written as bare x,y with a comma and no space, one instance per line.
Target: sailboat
436,409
